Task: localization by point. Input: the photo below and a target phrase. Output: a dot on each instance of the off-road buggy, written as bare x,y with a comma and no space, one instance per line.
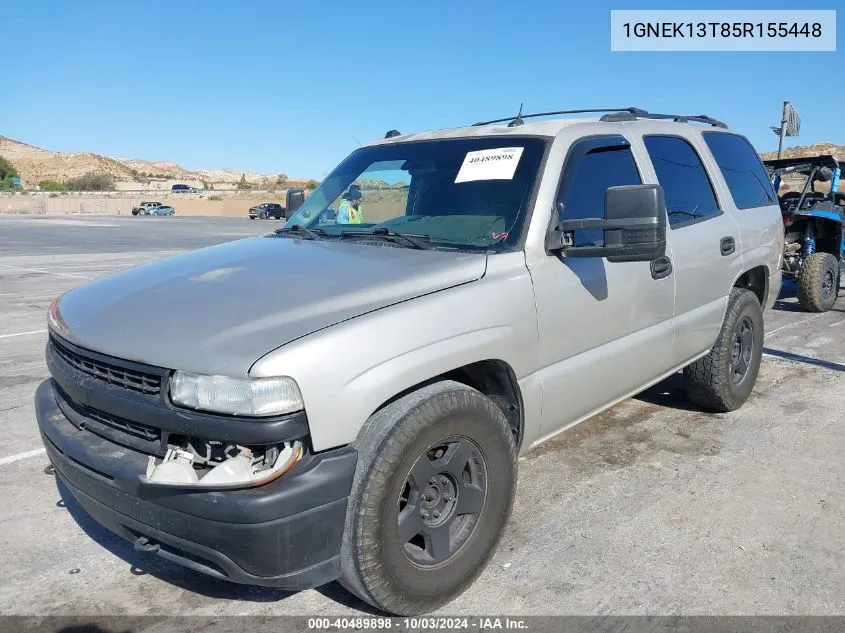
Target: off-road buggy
813,220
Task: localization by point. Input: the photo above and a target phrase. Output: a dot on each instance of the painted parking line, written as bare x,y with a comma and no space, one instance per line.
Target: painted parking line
31,292
22,333
11,459
45,272
783,327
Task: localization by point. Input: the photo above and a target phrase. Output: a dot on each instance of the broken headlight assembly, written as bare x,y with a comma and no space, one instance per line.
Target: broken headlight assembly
218,466
254,397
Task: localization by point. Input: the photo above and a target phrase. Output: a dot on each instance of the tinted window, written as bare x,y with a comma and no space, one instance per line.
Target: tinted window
597,170
686,186
742,170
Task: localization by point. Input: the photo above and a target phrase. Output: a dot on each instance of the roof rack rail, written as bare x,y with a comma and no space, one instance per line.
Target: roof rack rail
678,118
518,120
612,114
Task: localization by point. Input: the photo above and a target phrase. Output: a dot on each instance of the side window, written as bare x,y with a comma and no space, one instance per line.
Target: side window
742,170
587,177
686,186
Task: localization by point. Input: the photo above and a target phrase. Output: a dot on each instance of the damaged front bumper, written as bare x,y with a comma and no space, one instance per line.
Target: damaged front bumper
286,533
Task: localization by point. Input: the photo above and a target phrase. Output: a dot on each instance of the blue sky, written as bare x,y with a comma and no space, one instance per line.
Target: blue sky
288,86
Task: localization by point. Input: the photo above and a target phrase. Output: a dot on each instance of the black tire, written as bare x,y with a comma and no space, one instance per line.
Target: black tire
718,381
817,282
404,577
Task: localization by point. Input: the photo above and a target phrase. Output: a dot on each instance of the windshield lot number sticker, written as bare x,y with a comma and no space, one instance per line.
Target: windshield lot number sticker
490,164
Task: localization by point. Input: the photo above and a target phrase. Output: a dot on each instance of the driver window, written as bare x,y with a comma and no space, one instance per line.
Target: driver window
590,178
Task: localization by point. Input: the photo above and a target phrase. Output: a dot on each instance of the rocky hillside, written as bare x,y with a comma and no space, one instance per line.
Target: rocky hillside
35,164
803,151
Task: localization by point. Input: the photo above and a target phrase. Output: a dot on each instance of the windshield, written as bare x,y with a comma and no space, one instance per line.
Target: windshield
459,193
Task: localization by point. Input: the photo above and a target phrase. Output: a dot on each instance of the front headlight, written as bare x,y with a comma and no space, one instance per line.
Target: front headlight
236,396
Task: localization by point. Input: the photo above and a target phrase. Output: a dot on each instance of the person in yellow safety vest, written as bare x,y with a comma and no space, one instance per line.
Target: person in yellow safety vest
350,211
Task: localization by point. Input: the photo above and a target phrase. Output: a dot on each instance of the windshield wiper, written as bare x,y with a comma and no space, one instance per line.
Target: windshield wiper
414,239
301,230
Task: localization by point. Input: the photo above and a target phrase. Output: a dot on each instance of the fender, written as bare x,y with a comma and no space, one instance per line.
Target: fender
347,371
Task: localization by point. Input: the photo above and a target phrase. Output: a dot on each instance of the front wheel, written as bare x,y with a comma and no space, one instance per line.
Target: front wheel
818,282
723,380
433,490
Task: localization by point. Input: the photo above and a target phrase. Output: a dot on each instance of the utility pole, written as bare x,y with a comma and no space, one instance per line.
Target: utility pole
790,125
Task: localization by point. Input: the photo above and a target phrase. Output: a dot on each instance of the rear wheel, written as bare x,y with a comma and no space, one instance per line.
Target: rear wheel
433,490
818,282
723,379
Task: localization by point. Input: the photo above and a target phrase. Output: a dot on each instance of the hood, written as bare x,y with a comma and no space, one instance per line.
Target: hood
218,309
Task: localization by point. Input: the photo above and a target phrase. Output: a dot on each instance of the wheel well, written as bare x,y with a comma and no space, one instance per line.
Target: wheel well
495,379
756,280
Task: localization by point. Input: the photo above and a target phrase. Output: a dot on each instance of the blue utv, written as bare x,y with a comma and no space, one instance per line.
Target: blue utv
812,220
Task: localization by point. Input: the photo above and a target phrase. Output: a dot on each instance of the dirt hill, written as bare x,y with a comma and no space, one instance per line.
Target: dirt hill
35,164
803,151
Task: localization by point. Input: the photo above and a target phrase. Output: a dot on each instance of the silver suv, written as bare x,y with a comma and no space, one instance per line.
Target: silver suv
356,410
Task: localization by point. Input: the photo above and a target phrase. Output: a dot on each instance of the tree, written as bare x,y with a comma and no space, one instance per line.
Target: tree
312,184
243,184
92,181
281,179
7,172
51,185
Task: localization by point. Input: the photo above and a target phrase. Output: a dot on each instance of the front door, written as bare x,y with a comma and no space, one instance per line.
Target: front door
605,327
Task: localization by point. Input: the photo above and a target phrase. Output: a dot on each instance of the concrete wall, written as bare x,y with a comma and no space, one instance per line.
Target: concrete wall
232,207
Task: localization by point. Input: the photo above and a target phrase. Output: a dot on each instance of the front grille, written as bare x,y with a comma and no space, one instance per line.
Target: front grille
142,431
132,379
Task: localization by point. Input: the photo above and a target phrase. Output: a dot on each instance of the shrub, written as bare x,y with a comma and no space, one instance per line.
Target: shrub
312,184
215,198
52,185
92,181
7,172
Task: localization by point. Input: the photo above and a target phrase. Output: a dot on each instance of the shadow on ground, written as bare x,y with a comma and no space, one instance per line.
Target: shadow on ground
809,360
671,393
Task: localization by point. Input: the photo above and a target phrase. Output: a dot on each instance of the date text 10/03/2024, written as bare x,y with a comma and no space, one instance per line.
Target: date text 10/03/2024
721,29
416,624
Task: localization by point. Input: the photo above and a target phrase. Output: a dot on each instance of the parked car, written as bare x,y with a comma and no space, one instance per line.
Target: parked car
349,401
144,207
162,209
183,189
267,210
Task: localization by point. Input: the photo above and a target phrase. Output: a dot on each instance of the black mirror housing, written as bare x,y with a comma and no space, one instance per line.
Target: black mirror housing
634,226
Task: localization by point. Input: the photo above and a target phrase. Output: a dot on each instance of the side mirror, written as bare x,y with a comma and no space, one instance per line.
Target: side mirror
294,200
634,226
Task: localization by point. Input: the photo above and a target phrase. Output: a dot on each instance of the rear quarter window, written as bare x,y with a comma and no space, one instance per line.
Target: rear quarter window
742,170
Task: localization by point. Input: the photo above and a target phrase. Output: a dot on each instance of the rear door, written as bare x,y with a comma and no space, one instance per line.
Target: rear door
706,256
746,189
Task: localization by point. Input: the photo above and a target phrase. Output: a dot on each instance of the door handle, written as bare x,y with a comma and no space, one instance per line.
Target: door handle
727,245
661,267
